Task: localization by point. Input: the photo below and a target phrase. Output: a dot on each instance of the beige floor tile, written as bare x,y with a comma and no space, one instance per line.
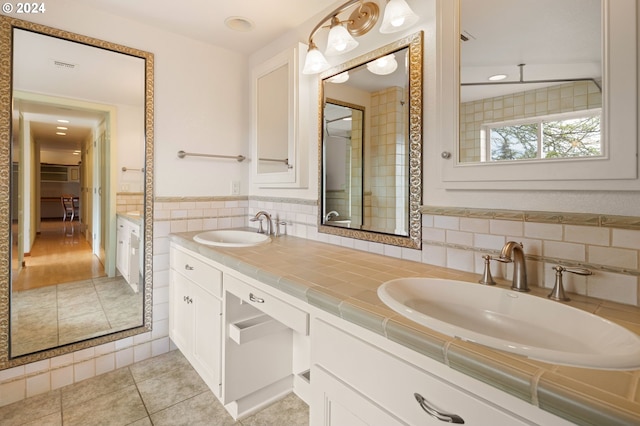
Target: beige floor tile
31,410
96,387
158,365
170,388
117,408
290,411
203,409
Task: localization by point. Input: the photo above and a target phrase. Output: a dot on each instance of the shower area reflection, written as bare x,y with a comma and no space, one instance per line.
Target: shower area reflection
343,153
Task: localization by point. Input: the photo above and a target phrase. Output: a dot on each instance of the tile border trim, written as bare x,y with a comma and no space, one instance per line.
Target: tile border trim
564,218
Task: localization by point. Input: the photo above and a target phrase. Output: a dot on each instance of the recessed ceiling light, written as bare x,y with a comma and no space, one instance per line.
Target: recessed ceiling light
238,23
497,77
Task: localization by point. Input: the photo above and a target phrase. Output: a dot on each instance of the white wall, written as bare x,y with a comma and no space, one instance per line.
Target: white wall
201,99
604,202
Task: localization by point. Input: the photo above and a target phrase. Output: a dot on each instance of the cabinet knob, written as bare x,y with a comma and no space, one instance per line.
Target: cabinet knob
443,417
188,268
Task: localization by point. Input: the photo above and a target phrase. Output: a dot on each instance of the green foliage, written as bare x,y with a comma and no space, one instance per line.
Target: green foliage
579,137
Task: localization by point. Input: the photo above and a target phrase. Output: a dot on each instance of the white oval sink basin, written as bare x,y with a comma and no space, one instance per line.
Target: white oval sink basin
514,322
231,238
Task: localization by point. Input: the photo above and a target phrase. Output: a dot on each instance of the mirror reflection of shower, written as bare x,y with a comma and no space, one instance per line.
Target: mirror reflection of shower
343,193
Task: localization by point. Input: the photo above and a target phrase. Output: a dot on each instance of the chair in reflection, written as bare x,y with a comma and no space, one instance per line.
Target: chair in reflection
70,206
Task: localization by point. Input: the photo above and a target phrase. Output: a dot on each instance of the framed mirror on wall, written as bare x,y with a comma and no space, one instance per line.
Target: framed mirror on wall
547,102
370,145
76,136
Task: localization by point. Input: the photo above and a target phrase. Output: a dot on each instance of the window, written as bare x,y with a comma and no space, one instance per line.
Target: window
546,137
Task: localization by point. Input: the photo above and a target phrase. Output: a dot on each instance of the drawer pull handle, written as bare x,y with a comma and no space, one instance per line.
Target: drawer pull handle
443,417
255,299
187,299
188,268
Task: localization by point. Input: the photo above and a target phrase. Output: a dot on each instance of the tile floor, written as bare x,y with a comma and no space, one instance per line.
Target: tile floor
55,315
164,390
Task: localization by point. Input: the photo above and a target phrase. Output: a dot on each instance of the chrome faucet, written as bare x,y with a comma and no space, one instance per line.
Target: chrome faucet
331,215
513,252
257,218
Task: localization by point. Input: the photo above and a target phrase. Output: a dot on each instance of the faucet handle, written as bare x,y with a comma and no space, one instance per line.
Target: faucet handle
259,220
278,232
558,290
487,279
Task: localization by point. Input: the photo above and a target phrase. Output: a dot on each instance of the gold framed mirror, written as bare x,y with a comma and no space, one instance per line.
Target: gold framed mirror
42,76
370,146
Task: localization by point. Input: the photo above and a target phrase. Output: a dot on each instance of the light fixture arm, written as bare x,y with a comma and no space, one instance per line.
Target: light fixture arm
329,16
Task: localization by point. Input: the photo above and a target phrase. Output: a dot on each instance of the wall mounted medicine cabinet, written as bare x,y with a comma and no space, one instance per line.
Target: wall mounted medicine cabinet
279,133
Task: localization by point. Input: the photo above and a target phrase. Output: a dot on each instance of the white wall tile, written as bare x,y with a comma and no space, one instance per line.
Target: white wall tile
446,222
433,234
434,255
124,357
474,225
84,370
543,231
105,363
61,377
571,251
461,260
587,235
489,242
626,238
616,257
38,384
506,227
459,237
616,287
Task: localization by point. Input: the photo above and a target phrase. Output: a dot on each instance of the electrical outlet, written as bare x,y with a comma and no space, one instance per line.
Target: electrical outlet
235,187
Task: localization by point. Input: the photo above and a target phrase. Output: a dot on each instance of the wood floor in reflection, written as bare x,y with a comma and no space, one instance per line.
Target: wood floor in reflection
60,254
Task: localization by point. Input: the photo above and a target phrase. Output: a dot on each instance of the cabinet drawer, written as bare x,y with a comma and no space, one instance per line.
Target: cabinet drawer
279,310
194,268
393,383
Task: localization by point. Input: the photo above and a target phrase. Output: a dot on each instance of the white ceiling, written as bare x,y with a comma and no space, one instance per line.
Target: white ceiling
205,19
555,39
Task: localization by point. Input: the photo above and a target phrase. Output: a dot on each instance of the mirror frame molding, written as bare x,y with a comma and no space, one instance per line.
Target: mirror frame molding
7,25
414,240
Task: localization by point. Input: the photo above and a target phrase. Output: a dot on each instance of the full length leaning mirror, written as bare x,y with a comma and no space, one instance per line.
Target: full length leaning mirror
370,146
76,203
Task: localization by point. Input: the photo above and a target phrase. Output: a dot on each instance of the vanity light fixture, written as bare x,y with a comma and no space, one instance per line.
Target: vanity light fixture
397,16
384,65
339,78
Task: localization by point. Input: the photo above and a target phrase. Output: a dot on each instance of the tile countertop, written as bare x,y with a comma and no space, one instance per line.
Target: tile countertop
134,217
344,282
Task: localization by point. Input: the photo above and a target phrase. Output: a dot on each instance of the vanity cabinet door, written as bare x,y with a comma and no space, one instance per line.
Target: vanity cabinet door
334,403
123,249
181,317
195,322
207,337
393,385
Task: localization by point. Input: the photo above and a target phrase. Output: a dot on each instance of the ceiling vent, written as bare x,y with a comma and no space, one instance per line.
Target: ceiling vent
63,65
